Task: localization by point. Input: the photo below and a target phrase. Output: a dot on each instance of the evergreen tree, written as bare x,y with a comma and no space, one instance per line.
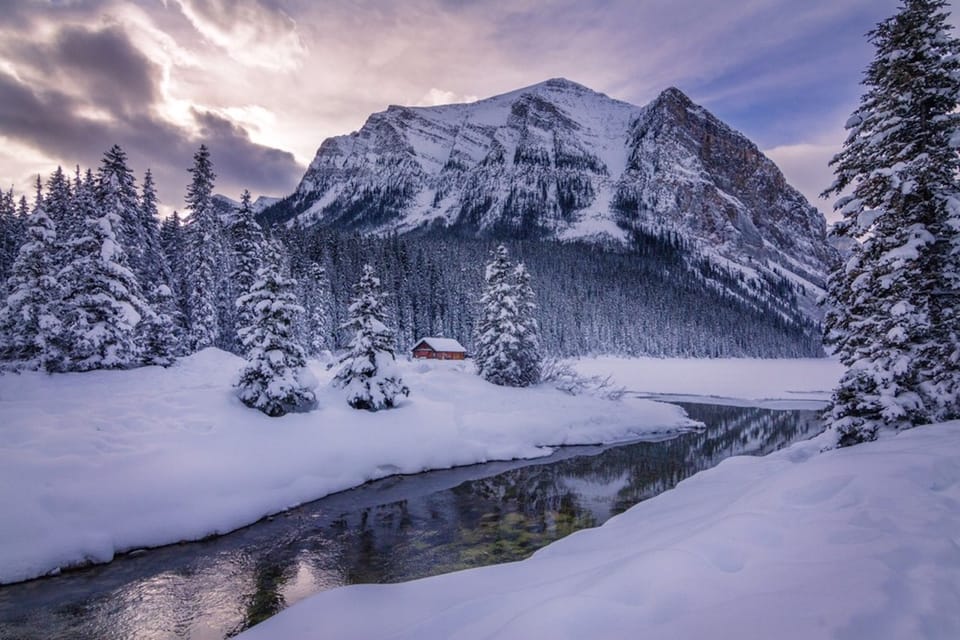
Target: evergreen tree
11,235
103,306
529,352
275,379
117,195
499,335
204,256
368,369
160,336
892,308
316,296
173,245
30,317
155,270
248,246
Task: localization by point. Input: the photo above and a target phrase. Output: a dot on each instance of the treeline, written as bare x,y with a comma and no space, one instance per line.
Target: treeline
656,297
92,278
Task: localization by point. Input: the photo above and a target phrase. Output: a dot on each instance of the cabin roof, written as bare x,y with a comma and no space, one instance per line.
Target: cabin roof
441,344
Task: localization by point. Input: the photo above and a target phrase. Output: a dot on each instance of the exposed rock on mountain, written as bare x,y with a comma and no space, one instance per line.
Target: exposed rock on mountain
558,160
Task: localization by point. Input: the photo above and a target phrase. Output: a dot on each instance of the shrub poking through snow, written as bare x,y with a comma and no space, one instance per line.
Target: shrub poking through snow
563,377
275,379
367,371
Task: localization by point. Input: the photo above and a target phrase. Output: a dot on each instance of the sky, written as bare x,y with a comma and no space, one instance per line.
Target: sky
264,82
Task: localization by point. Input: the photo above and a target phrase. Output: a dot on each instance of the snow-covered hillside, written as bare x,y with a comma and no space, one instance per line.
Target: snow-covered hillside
559,160
857,543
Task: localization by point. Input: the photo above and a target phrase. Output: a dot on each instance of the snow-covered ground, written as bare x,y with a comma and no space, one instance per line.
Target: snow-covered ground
781,384
859,543
96,463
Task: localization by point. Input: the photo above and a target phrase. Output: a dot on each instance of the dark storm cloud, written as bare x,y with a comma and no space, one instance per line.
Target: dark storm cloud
101,64
109,63
237,157
86,89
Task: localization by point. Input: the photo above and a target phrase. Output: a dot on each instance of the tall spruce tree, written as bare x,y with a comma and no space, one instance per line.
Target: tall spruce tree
103,305
315,293
117,195
160,335
499,334
30,325
892,307
531,359
248,248
275,379
368,369
204,244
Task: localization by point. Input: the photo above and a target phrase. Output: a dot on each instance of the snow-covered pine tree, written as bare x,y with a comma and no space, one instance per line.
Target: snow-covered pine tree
58,203
102,305
531,359
275,379
368,369
892,307
173,243
160,336
315,289
9,235
498,336
204,256
30,324
117,194
248,247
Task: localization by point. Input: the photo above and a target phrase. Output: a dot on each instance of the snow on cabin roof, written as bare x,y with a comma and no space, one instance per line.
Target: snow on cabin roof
442,344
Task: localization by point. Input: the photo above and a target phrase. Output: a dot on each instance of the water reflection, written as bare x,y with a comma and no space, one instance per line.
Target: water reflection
392,530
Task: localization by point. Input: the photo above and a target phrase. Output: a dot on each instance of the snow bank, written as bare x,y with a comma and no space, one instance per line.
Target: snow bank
855,543
101,462
757,382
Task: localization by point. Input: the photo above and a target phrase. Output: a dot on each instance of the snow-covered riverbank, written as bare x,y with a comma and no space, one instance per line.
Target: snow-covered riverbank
96,463
859,543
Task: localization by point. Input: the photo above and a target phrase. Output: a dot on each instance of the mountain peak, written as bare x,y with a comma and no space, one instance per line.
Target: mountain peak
558,159
563,83
674,95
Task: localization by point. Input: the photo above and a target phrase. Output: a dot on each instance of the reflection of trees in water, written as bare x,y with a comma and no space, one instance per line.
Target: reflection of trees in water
731,431
270,574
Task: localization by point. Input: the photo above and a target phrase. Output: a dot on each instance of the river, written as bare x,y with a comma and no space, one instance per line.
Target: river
395,529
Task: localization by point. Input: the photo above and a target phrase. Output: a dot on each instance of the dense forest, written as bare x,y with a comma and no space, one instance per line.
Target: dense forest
656,297
169,287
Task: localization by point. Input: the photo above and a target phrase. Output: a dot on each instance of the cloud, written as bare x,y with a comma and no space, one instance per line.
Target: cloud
71,91
251,31
436,96
806,167
267,77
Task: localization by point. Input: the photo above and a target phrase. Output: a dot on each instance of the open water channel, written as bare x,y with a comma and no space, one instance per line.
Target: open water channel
391,530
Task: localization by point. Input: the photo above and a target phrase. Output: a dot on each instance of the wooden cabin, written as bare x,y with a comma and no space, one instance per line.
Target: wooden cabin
439,349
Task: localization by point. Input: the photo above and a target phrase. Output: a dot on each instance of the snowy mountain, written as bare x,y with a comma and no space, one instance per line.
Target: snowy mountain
558,160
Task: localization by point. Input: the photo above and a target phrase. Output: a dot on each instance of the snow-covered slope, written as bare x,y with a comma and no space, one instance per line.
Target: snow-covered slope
559,160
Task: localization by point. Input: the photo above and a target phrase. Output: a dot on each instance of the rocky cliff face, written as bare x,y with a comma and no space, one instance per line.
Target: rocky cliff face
559,160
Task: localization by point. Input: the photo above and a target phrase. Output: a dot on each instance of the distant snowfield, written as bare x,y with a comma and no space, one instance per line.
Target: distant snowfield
776,383
860,543
92,464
